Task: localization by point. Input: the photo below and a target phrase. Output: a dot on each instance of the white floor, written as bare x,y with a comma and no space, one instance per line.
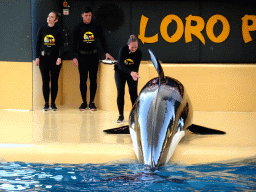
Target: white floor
71,136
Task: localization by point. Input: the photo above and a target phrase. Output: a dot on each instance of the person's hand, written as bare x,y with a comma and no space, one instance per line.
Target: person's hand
58,62
75,62
135,75
108,56
37,62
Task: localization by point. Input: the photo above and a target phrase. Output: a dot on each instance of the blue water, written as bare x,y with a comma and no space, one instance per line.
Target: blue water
233,176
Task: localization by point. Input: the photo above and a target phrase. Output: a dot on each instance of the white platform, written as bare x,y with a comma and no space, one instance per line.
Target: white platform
71,136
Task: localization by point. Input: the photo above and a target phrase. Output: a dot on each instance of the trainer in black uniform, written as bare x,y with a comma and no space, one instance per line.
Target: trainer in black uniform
49,51
127,70
85,55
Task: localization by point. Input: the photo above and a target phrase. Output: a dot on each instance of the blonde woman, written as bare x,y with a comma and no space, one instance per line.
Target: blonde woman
126,70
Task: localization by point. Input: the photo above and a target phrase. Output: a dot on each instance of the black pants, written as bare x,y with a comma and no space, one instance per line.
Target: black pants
121,78
50,72
88,64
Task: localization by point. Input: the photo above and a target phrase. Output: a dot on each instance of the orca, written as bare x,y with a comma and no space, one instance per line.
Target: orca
159,119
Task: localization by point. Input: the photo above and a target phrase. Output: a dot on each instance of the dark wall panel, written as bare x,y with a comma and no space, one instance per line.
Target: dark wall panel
120,19
20,21
15,33
117,27
233,49
156,11
107,14
69,21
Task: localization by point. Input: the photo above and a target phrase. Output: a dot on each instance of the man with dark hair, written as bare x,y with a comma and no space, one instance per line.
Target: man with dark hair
85,55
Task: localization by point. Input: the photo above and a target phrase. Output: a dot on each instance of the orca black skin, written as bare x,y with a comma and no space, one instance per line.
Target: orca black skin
159,119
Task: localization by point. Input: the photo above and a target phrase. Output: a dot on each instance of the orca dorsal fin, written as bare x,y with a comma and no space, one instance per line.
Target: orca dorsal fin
197,129
158,66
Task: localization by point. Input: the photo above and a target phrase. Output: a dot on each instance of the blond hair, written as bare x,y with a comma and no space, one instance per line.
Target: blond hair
132,38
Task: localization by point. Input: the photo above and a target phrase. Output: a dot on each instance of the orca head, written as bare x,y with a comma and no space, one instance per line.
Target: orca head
159,118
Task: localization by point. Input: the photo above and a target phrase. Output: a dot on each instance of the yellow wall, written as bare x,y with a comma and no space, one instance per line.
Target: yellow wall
16,85
211,87
106,92
71,91
217,87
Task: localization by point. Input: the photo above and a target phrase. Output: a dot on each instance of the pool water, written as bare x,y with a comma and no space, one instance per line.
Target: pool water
116,176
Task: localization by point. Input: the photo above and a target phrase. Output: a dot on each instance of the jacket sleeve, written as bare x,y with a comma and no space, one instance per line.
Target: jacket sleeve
74,42
120,64
137,61
38,42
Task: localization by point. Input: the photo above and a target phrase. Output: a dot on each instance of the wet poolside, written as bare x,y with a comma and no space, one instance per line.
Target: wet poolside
71,136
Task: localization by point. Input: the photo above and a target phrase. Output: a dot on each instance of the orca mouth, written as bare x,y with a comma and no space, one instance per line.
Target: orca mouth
151,169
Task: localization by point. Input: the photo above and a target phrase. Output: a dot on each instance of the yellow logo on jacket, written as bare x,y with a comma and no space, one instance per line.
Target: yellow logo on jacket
128,62
49,40
88,36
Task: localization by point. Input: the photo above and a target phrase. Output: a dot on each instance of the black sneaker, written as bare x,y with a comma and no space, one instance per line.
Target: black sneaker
120,119
53,107
92,106
83,106
46,107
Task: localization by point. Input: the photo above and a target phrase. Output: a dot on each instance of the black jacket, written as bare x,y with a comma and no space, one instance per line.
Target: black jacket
49,39
84,38
127,61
